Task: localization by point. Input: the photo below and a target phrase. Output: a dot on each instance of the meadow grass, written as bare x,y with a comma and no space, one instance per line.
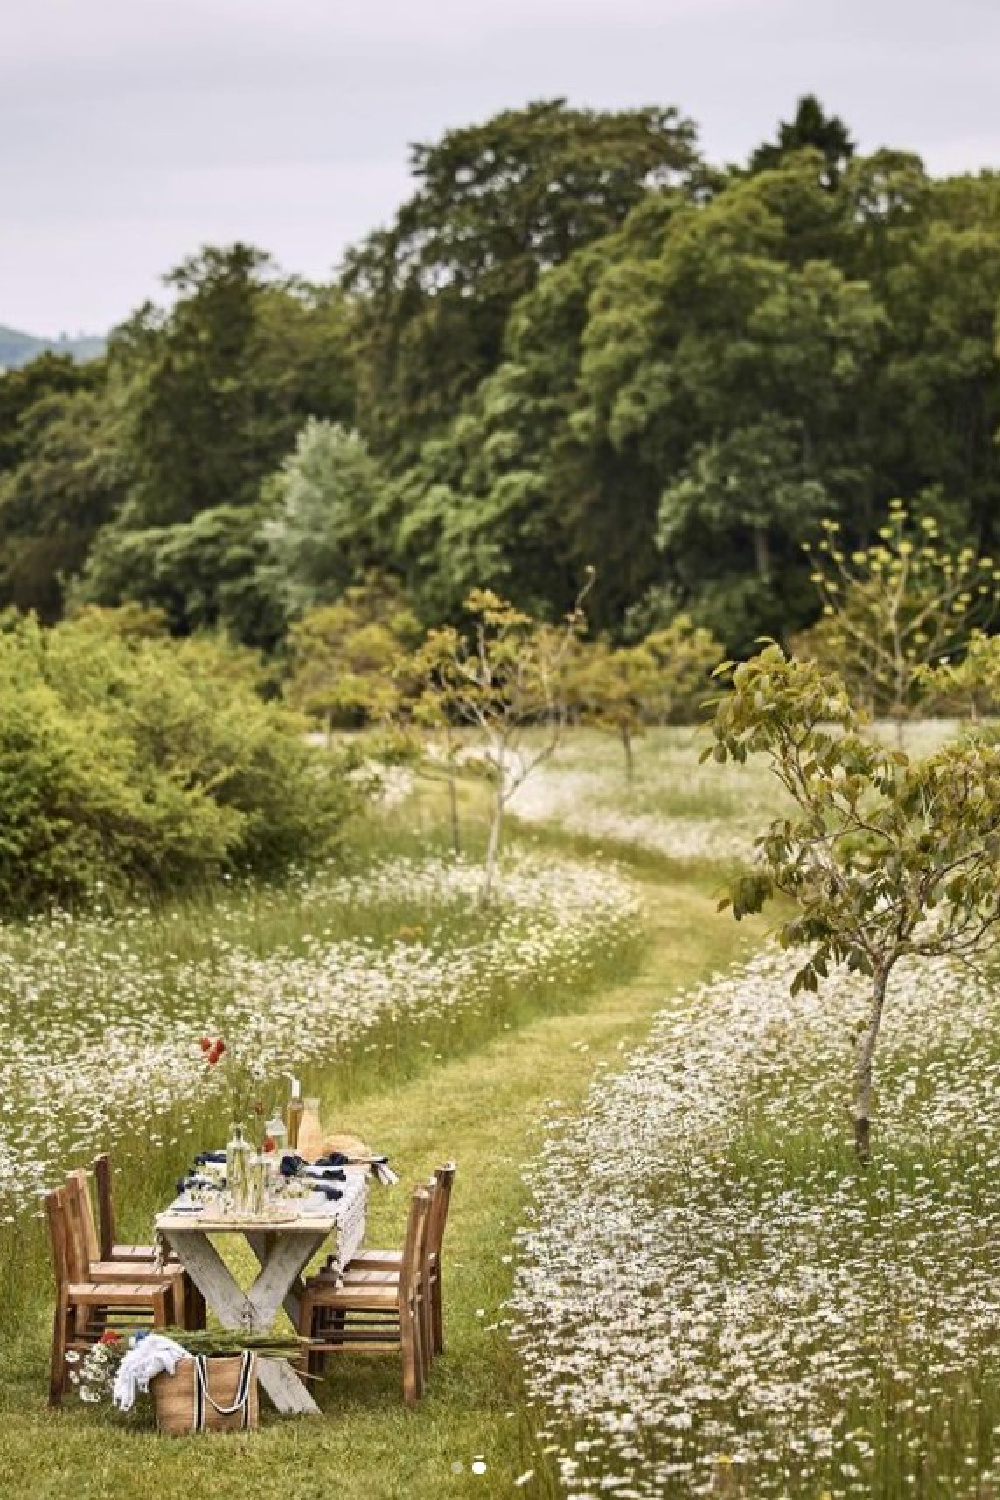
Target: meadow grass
477,1090
787,1322
712,1297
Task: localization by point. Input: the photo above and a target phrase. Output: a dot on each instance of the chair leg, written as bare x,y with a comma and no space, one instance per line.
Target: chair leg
307,1322
409,1343
163,1306
424,1329
57,1376
194,1310
437,1314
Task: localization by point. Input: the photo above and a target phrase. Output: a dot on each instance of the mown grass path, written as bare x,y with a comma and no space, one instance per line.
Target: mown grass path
485,1109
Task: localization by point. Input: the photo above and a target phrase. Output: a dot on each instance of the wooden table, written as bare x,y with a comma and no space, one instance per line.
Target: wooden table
283,1250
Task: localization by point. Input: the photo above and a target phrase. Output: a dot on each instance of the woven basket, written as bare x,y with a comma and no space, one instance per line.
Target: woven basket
186,1403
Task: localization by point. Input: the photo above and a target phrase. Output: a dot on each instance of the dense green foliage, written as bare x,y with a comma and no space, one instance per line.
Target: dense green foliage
130,762
576,343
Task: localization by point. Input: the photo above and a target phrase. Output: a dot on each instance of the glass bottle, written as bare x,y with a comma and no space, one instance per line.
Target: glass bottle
310,1144
238,1155
293,1114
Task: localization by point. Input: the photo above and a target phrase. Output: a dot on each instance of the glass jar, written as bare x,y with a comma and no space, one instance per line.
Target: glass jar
270,1163
238,1154
277,1133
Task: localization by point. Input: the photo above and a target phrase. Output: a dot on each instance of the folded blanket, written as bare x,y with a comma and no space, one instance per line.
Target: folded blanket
150,1355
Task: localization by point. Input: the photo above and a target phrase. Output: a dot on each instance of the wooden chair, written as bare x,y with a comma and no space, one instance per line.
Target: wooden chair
85,1307
111,1250
373,1317
93,1267
370,1266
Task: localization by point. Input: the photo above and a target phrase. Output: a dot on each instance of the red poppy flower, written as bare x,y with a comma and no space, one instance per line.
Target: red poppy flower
214,1055
268,1143
220,1046
109,1337
205,1044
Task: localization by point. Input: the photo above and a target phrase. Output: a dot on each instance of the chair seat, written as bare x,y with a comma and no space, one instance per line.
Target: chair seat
370,1278
379,1295
111,1293
376,1260
131,1271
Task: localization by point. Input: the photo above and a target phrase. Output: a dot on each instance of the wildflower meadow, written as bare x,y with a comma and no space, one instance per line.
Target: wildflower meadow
671,1274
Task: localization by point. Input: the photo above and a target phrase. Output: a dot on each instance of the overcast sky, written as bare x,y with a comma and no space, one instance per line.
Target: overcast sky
134,131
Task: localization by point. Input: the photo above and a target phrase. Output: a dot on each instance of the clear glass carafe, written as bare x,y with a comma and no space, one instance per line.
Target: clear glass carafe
238,1154
310,1144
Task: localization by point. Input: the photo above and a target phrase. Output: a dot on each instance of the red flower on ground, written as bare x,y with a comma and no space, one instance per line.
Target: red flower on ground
205,1044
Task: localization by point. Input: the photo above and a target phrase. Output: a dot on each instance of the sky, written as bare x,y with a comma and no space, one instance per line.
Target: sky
135,131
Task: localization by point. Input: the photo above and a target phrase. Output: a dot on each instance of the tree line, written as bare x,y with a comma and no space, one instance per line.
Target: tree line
578,343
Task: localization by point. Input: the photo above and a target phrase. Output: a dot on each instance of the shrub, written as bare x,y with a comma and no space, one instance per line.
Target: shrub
138,764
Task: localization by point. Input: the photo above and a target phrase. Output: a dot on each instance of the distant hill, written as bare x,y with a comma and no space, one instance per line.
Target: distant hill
20,348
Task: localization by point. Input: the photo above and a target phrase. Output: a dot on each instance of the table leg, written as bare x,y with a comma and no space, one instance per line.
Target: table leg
262,1247
254,1310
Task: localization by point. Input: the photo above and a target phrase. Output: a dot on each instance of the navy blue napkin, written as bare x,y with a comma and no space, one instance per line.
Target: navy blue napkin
333,1193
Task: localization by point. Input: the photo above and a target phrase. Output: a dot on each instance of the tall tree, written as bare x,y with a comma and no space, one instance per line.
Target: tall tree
812,128
55,500
327,527
208,398
497,204
213,391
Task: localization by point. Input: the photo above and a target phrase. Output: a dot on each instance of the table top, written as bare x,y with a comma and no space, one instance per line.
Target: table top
315,1214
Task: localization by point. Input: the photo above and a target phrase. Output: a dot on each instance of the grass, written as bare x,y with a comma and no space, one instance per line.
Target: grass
789,1323
483,1102
482,1083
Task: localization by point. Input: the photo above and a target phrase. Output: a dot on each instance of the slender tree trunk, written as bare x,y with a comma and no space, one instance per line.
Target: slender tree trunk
329,731
456,837
629,757
864,1067
493,845
762,552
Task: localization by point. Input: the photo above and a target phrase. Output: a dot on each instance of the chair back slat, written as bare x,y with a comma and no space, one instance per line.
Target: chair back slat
82,1207
105,1205
77,1259
55,1212
440,1203
414,1243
